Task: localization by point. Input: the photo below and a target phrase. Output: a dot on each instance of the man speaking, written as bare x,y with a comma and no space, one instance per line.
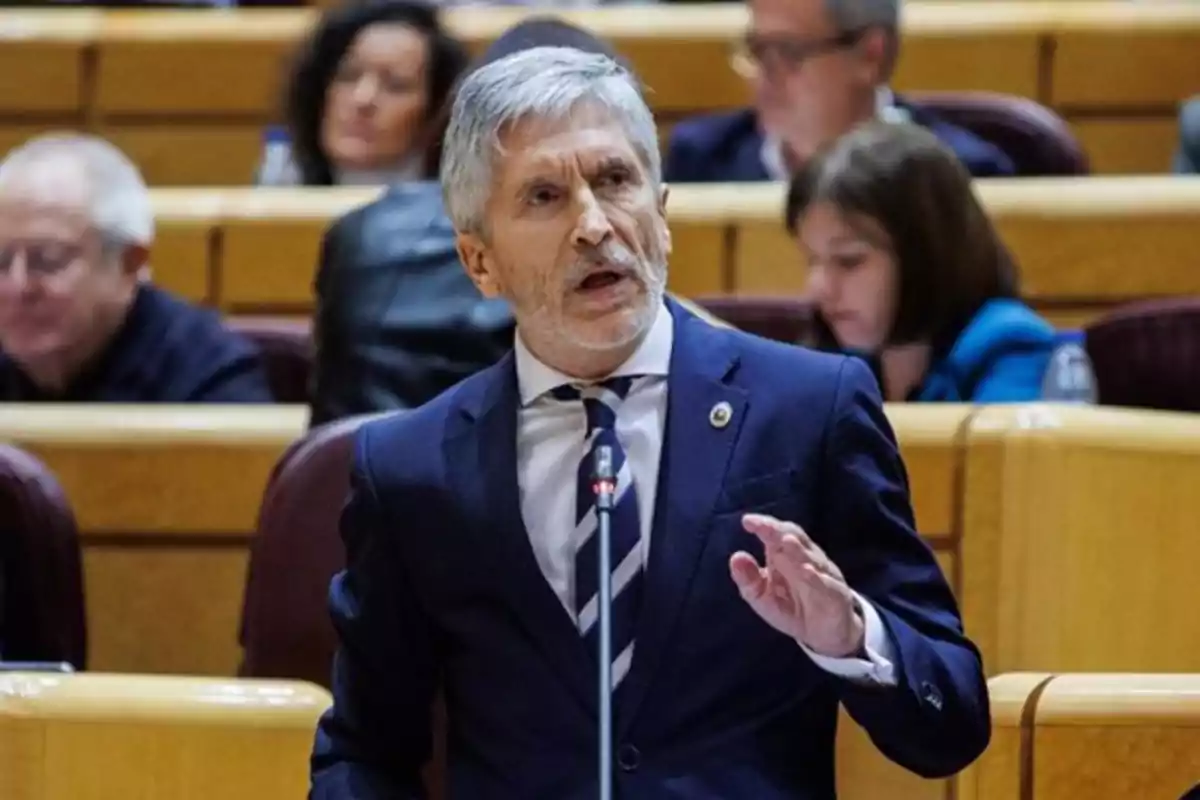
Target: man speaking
764,561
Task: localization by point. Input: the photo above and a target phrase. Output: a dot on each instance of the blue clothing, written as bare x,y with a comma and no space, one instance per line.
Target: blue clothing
442,589
727,147
166,351
1000,357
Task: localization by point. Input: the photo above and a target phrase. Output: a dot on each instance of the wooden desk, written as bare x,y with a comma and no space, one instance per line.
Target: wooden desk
94,736
1078,539
1117,736
187,95
166,498
167,501
1004,768
1083,245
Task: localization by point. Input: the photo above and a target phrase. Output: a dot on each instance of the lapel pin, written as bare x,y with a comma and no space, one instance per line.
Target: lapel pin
720,415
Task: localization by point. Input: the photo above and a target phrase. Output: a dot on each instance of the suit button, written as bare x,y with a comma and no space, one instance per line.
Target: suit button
628,758
931,695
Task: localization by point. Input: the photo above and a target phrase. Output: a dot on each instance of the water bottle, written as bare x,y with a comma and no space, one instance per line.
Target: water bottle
1069,377
277,167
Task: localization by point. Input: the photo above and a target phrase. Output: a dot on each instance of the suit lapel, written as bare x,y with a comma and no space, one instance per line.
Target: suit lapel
481,454
696,453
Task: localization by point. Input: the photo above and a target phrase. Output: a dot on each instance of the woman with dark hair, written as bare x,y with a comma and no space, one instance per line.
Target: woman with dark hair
906,269
365,95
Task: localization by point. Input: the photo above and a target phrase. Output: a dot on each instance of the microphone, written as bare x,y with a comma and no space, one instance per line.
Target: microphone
604,485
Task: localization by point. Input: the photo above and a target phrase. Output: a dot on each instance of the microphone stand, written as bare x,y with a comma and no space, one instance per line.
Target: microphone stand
604,485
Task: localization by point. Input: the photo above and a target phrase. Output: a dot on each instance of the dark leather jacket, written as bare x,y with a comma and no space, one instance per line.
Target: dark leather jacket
398,320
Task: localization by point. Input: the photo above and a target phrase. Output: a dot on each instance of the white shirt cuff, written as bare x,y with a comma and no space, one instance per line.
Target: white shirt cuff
878,667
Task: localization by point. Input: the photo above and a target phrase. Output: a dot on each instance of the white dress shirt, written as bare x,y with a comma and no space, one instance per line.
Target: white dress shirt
550,445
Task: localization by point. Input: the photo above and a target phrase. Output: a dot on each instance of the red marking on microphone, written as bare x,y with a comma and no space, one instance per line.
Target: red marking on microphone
601,487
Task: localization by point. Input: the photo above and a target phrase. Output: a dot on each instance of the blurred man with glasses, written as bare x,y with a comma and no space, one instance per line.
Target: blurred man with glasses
817,69
79,322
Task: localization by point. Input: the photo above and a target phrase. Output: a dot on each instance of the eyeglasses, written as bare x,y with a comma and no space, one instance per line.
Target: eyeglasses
42,259
777,55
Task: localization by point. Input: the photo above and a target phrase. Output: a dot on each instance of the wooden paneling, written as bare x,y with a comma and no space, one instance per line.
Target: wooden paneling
190,154
1124,55
42,61
1002,771
1115,737
95,736
218,78
166,498
1083,245
1128,146
1062,507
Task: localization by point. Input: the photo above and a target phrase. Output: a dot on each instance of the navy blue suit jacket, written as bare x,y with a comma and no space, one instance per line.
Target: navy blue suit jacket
166,351
724,148
442,589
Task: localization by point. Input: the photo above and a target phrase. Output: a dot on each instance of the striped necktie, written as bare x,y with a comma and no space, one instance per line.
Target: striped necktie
601,402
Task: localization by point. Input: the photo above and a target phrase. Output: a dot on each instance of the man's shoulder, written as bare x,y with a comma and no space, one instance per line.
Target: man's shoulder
786,369
716,129
715,147
412,436
190,330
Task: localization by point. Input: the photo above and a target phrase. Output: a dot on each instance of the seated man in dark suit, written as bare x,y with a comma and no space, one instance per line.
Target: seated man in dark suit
818,68
78,320
765,566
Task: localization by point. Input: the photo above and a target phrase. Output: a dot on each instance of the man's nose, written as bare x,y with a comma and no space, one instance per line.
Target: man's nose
17,272
593,226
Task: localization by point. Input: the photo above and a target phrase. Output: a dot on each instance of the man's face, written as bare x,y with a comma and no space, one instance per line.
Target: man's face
812,82
60,287
576,237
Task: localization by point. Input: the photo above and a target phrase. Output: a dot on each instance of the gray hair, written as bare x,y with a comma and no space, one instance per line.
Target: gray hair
541,82
119,203
857,15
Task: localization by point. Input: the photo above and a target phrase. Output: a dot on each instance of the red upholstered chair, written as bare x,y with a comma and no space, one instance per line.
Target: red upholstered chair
41,575
783,318
287,350
286,631
1037,140
1147,355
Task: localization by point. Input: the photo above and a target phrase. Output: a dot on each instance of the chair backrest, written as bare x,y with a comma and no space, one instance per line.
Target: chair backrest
1037,140
1147,355
287,352
41,575
286,631
783,318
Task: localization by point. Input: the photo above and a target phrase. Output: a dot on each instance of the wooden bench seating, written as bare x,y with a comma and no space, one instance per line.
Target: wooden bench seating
1031,510
1083,245
92,736
1035,512
1103,736
187,95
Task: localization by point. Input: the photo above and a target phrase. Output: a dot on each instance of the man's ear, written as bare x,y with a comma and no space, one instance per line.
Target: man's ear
665,228
134,258
873,56
476,259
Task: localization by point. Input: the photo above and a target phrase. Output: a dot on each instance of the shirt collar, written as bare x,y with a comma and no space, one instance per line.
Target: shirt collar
652,357
771,153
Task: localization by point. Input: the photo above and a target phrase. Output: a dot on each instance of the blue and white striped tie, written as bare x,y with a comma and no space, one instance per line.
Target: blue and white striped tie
600,402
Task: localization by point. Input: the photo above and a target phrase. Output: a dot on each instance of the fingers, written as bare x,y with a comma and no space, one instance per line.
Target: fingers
751,579
788,542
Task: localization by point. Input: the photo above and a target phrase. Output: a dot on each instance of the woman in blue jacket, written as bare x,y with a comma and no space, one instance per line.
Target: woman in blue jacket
906,270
